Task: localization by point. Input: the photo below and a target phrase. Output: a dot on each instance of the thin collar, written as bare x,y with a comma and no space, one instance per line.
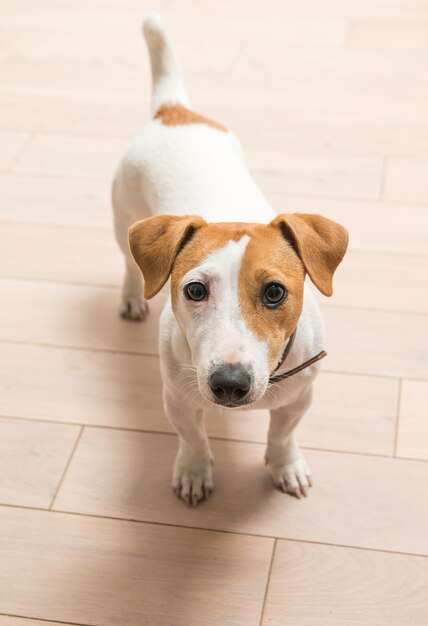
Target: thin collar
276,378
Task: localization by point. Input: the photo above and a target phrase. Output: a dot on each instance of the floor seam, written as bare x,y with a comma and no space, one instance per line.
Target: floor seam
44,619
171,433
397,417
128,520
268,581
67,465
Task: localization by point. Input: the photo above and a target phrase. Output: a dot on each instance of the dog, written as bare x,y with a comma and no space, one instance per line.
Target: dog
240,309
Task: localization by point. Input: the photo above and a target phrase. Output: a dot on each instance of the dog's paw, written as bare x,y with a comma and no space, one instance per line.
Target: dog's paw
192,482
134,308
294,478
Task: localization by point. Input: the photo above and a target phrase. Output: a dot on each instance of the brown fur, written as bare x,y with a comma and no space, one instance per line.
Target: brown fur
155,243
268,258
176,114
319,242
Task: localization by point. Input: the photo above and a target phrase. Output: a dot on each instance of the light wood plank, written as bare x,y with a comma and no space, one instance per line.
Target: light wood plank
319,175
349,413
127,474
49,200
71,156
373,226
352,414
319,133
410,35
376,9
95,571
57,109
76,255
33,456
102,389
413,422
375,342
373,280
314,585
406,180
11,145
74,315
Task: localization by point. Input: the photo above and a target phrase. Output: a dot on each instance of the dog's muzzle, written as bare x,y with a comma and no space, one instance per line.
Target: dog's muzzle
230,384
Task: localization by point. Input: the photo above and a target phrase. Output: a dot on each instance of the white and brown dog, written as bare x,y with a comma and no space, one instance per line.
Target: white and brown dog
239,306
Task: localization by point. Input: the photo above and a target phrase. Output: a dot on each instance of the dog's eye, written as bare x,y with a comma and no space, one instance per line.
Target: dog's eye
274,294
196,291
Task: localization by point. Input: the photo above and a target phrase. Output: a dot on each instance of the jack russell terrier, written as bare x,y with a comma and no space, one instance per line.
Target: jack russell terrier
239,307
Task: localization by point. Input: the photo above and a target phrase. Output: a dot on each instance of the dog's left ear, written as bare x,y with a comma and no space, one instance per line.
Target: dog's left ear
155,243
319,242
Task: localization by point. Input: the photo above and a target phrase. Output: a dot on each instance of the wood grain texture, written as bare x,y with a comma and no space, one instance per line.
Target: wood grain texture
374,280
50,200
363,501
94,571
376,342
412,439
409,35
74,315
314,174
76,255
347,586
70,156
81,387
373,226
11,145
406,180
33,457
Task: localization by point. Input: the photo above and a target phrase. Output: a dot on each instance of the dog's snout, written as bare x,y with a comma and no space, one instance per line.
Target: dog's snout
230,383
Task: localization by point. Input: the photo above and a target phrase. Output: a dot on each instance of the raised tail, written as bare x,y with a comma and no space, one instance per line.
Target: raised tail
168,85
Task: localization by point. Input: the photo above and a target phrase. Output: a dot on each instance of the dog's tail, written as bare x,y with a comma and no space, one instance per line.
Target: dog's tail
168,85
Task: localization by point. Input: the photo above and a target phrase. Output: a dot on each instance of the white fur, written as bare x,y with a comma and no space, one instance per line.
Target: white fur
197,169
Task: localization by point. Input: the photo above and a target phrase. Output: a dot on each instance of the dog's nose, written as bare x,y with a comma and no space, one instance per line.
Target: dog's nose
230,383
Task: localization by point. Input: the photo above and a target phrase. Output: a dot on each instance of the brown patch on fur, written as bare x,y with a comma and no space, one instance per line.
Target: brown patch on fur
155,243
207,239
268,258
176,115
319,242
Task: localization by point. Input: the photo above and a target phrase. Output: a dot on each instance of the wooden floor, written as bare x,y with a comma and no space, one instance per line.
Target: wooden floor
330,99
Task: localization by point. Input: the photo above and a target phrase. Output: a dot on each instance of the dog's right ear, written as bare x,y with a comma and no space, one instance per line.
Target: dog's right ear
155,243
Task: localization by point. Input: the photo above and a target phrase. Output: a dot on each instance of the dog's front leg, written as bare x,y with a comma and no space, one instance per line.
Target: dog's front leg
192,479
283,456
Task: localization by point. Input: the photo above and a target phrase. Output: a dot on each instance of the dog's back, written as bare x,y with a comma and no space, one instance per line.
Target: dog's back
182,162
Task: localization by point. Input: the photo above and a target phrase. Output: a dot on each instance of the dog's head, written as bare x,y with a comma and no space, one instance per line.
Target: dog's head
237,290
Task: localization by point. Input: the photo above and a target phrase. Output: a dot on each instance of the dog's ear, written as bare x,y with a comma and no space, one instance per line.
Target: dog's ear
319,242
155,243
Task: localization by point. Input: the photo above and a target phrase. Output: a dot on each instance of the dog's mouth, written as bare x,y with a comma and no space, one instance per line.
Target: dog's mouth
232,405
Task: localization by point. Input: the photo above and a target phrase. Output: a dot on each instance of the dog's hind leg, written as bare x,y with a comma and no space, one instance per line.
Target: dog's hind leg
133,306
